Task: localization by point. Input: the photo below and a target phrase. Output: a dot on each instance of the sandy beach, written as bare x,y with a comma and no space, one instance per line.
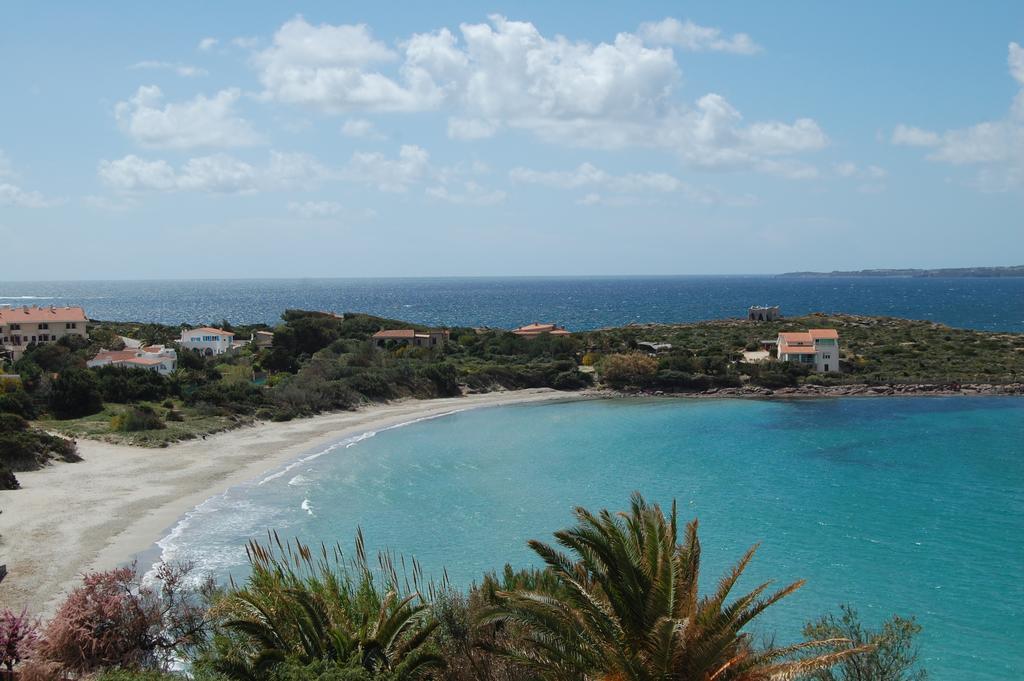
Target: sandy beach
119,500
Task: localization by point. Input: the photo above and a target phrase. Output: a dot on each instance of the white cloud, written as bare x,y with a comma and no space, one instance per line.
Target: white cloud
852,170
471,128
13,195
790,169
995,148
389,174
1015,60
587,175
846,169
551,86
132,173
216,174
908,135
199,122
315,209
183,70
583,175
469,193
693,38
245,42
325,66
713,136
506,74
294,171
869,178
360,128
207,44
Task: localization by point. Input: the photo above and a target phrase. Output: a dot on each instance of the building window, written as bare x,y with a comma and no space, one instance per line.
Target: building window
827,356
44,325
15,327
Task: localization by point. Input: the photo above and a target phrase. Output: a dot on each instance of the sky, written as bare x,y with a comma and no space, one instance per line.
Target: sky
356,139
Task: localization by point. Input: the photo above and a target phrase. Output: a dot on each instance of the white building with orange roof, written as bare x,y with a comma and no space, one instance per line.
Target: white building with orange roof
207,340
819,347
30,324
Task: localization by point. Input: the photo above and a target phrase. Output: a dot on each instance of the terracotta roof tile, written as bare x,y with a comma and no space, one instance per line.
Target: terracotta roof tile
32,314
395,333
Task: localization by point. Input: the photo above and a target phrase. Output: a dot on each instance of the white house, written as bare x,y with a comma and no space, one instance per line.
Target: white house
819,347
208,341
156,358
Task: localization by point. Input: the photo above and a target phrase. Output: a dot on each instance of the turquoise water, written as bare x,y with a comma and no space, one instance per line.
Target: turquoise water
910,506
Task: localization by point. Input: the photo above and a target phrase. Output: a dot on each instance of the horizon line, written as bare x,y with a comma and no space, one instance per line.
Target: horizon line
498,276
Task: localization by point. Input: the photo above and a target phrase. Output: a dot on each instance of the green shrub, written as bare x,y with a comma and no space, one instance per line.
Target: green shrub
126,384
633,370
136,419
18,402
75,393
24,449
571,380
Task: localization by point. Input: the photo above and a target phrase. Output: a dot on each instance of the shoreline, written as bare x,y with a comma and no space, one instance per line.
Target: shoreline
119,500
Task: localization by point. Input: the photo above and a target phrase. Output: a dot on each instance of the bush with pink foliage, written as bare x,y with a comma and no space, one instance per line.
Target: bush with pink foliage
18,635
113,621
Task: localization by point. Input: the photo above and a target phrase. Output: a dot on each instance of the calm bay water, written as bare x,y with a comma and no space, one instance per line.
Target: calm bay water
578,303
905,505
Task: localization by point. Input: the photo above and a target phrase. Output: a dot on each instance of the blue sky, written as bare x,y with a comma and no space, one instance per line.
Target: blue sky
428,139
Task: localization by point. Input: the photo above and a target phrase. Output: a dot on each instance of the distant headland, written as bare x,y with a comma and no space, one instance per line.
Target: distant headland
1012,271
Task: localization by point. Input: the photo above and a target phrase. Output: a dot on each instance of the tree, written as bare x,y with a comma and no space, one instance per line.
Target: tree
627,608
893,656
632,369
75,393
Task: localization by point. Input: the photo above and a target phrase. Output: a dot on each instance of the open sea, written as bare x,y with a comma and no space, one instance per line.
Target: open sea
577,303
912,506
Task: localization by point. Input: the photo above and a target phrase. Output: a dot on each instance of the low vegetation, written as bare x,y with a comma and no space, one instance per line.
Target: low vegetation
24,449
874,351
623,604
320,362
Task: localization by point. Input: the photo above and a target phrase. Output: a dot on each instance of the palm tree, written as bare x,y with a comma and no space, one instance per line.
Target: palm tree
627,609
307,611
